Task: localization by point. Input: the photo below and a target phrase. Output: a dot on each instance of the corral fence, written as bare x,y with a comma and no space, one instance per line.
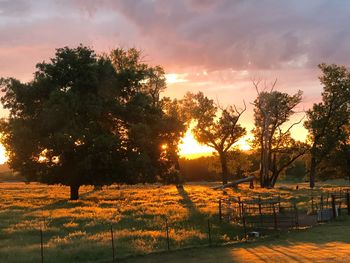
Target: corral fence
267,213
261,214
249,217
331,204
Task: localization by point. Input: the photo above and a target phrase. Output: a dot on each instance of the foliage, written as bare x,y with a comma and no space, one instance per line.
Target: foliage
277,148
327,120
88,119
215,127
239,164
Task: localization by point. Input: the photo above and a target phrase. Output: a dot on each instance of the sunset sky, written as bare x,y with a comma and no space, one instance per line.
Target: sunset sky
216,47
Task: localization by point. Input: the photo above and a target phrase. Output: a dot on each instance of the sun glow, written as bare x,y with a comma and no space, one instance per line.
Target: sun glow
3,156
172,78
191,148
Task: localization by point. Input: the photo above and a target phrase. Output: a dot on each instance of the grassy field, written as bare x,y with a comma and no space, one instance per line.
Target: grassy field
323,243
79,231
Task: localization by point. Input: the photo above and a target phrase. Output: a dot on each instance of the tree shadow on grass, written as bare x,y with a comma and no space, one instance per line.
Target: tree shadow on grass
187,202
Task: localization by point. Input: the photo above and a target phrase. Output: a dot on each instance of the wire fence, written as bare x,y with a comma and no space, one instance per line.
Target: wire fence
238,219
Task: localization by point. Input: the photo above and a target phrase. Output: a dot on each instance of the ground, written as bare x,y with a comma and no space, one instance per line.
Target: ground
80,231
325,243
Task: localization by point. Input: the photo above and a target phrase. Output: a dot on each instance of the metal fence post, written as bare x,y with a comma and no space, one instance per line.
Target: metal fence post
274,216
112,239
296,215
209,232
260,213
41,246
244,221
334,208
167,233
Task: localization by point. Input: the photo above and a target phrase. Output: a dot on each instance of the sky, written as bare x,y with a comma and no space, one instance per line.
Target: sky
215,46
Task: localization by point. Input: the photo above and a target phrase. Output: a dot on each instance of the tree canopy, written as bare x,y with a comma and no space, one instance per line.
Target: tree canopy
88,119
215,127
327,121
277,148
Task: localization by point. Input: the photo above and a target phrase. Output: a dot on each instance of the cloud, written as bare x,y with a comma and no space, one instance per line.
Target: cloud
257,34
182,34
216,46
9,8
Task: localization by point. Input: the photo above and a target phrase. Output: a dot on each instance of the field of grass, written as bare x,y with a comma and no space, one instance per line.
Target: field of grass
79,231
323,243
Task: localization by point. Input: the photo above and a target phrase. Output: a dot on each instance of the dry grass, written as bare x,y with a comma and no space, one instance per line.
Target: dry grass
79,231
324,243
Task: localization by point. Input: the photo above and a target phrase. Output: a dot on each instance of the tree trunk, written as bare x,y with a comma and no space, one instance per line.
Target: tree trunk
312,172
74,192
224,170
348,161
177,164
274,179
274,171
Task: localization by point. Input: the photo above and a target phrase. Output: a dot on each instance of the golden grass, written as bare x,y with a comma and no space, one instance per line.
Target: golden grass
80,230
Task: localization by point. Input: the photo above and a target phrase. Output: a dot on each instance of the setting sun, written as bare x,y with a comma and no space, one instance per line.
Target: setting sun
191,148
3,157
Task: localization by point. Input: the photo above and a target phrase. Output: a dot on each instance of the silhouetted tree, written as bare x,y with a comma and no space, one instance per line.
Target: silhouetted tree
152,125
277,149
327,119
239,163
61,127
215,127
88,119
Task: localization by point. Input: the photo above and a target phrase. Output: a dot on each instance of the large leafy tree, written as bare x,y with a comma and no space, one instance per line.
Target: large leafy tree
151,124
215,127
277,149
61,127
326,120
88,119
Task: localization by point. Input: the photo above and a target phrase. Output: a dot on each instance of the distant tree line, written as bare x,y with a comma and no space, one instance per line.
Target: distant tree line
88,119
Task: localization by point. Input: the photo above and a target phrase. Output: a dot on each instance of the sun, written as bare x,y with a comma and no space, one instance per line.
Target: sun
190,148
3,156
243,143
173,78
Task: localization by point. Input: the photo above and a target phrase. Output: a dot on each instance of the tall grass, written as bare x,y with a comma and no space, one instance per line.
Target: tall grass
79,231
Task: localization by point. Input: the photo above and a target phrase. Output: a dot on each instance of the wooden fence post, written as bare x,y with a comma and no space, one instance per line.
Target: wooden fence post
41,246
112,240
312,204
220,211
167,233
334,208
348,201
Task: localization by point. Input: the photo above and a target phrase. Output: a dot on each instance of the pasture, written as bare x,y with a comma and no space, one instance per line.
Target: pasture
80,231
